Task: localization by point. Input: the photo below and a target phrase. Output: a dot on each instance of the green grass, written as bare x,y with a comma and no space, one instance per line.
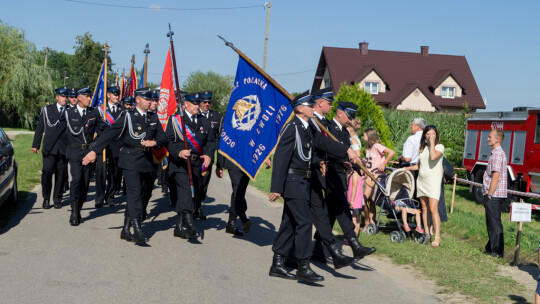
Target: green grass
458,265
16,129
28,174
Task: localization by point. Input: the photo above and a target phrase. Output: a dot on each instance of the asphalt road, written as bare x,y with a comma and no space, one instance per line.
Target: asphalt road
45,260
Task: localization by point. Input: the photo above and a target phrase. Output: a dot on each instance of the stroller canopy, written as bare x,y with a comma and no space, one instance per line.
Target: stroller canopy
399,179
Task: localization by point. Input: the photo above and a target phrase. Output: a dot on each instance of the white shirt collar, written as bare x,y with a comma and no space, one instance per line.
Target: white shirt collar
338,124
140,112
189,114
304,123
419,132
318,115
80,110
59,106
111,106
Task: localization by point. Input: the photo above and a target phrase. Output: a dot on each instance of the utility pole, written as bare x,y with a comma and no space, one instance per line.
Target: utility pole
267,4
46,54
65,77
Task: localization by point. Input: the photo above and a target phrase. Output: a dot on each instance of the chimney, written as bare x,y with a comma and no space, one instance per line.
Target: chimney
363,48
424,50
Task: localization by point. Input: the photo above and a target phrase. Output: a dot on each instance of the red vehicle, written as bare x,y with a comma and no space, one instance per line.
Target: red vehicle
521,144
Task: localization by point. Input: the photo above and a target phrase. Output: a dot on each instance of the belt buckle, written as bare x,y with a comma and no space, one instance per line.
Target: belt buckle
193,157
146,149
308,174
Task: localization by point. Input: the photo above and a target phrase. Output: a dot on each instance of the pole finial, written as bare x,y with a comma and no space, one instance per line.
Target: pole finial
133,58
147,49
106,48
170,33
227,43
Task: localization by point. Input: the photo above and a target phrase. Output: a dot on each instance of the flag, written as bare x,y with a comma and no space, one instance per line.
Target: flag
131,83
141,81
256,114
100,91
167,103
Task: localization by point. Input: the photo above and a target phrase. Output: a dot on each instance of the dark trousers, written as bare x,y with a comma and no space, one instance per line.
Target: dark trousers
336,201
205,182
185,203
114,177
321,219
80,179
493,208
239,183
101,179
135,182
148,187
295,229
53,164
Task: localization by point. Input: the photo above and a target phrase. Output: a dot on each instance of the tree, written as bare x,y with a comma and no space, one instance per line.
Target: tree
87,61
220,85
58,63
25,85
369,112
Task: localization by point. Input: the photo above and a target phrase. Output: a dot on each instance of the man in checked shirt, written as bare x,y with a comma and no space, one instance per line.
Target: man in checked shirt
494,191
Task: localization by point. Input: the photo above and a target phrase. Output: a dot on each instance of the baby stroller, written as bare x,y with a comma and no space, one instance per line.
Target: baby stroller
399,186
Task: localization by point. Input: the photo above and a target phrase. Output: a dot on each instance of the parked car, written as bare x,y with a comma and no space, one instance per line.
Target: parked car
8,171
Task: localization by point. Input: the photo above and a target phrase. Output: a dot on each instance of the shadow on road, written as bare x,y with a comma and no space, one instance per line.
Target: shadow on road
13,215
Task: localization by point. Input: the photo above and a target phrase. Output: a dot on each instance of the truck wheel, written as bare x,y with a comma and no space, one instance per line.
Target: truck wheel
478,178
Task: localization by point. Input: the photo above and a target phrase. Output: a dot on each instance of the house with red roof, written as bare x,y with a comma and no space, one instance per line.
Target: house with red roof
401,80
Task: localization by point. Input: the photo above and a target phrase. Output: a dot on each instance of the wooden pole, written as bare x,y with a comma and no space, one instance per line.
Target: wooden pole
518,242
46,55
453,194
146,52
106,49
267,4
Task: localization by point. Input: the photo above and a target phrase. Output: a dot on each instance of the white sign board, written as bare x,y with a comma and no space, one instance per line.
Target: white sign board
521,212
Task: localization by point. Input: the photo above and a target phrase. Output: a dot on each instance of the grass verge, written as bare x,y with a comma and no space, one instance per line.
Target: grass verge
458,265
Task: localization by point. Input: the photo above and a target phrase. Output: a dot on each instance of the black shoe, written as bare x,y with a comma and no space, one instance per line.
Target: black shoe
359,251
75,218
318,252
305,273
66,188
125,234
188,225
231,226
46,204
278,268
99,204
246,223
179,230
496,255
57,205
198,215
340,260
110,202
138,234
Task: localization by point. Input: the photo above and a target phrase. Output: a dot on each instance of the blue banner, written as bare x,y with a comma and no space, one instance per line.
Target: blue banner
256,114
141,82
99,91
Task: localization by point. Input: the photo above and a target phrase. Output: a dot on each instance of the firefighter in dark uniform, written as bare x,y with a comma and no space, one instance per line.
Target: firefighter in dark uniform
201,143
54,149
215,119
336,184
105,183
80,123
324,99
171,184
291,180
147,192
141,133
72,102
128,102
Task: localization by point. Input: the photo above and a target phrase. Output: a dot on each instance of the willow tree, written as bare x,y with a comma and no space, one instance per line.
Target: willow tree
25,85
369,112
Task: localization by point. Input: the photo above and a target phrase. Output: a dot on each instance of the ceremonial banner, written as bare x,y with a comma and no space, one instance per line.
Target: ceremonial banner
131,83
141,81
167,103
256,114
101,87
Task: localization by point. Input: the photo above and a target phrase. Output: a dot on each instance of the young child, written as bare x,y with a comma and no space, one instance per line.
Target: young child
377,156
406,209
355,193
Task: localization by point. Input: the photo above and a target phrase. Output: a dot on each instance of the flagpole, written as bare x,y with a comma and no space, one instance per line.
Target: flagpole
106,49
290,97
188,162
146,52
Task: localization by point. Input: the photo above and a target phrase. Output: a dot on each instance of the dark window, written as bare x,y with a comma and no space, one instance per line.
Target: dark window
537,137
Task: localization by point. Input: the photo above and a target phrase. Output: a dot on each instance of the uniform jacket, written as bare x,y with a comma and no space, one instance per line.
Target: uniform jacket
292,186
55,139
215,121
80,130
336,177
131,125
116,144
204,135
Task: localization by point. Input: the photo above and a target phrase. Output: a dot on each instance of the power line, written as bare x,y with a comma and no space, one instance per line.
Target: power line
158,8
291,73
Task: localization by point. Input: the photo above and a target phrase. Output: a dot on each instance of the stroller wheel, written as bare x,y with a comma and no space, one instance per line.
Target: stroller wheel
419,238
403,236
395,237
426,238
371,229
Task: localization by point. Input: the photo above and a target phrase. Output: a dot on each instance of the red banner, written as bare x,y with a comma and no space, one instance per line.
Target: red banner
131,86
167,103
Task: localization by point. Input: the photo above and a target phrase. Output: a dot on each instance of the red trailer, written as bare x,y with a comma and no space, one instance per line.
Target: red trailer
521,144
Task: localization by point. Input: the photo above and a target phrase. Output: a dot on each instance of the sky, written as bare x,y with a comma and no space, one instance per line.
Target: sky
500,39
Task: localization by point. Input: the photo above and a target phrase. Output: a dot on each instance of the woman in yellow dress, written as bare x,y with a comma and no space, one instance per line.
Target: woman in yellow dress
428,184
